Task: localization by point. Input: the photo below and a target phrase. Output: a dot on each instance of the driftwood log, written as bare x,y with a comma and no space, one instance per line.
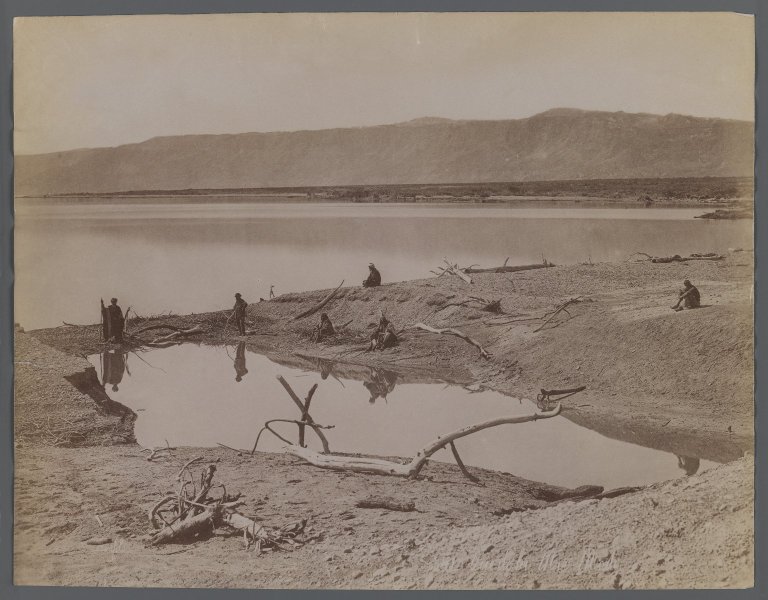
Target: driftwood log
453,269
322,303
155,327
414,466
509,269
178,334
545,397
198,514
387,503
493,306
188,528
455,332
678,258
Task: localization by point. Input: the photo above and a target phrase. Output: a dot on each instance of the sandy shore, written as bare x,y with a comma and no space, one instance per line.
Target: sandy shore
680,382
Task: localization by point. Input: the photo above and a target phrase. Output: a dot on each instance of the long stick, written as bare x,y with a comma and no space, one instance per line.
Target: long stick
314,309
459,462
552,316
457,333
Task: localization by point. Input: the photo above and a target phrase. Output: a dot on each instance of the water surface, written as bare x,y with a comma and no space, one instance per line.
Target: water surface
194,395
193,257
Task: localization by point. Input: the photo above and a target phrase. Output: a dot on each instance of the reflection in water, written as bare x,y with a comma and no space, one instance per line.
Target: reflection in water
380,384
689,464
114,364
176,392
240,369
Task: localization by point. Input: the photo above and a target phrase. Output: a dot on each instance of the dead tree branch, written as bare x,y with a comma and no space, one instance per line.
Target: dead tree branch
460,463
455,332
306,418
560,308
176,335
411,469
452,269
189,518
509,269
677,257
317,307
387,503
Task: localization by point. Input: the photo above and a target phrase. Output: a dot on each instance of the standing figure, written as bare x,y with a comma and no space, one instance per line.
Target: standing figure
271,292
239,313
689,296
374,277
240,369
112,321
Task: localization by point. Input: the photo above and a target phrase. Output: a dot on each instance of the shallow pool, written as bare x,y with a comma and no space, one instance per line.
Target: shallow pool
193,395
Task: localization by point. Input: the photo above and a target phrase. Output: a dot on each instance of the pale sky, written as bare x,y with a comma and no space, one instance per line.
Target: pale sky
104,81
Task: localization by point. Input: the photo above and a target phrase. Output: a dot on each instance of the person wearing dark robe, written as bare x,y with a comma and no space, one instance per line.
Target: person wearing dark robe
385,335
374,277
113,369
239,313
381,384
324,329
240,370
113,321
689,296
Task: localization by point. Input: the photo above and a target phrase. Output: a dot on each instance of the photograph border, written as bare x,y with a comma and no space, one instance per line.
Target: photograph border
14,8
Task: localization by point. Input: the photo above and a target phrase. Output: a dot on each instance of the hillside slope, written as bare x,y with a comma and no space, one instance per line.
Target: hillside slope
554,145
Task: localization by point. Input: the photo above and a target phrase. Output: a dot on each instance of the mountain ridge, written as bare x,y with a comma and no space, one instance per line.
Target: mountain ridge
557,144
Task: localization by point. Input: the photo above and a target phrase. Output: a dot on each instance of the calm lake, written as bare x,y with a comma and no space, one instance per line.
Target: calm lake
193,257
226,394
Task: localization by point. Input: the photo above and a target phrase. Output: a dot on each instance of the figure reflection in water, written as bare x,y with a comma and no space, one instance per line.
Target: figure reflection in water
113,367
326,368
240,369
380,384
689,464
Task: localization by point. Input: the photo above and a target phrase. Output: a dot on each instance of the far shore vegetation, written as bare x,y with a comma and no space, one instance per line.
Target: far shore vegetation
643,192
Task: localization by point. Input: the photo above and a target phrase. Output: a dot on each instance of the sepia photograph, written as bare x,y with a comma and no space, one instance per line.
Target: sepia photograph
399,301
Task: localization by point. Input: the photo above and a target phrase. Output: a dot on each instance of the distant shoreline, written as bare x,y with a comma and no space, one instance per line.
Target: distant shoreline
656,192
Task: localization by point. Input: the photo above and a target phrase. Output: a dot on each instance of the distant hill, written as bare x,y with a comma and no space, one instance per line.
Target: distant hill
555,145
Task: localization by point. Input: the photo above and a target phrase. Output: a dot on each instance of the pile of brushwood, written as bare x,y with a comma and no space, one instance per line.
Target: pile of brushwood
195,511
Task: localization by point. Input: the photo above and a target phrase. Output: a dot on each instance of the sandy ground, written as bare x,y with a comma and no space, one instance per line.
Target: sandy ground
680,382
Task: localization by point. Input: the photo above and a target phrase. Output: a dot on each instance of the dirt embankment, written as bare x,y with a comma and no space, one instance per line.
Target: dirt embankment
676,381
60,401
